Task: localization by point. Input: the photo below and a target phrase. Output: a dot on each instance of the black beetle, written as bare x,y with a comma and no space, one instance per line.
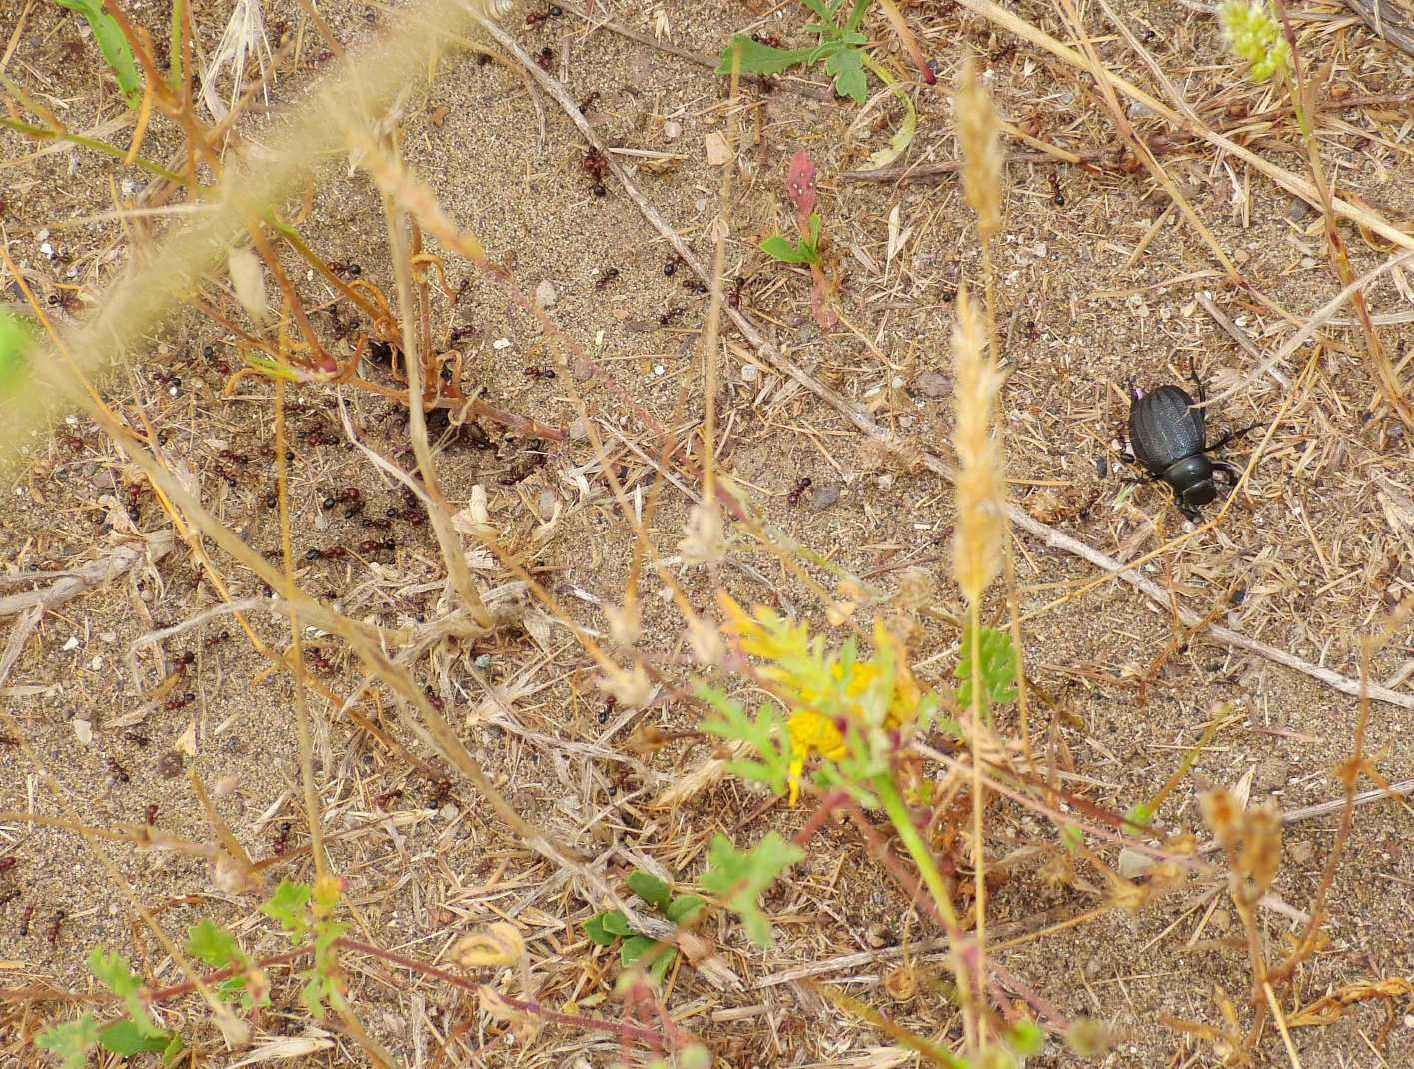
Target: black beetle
1169,438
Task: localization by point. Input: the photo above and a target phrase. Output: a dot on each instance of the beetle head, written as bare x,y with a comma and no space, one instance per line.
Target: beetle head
1192,481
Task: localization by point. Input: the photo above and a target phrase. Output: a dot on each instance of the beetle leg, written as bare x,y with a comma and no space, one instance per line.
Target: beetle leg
1193,373
1228,470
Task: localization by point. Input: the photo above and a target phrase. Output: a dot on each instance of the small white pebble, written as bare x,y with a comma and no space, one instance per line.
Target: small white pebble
545,294
672,130
71,644
750,373
47,249
501,344
659,369
95,664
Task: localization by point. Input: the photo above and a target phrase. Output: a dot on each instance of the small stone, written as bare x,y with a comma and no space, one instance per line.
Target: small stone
170,764
718,151
1299,211
545,294
1300,852
545,503
579,430
878,936
83,731
1138,110
933,384
1222,920
449,812
1272,774
226,786
1133,864
672,130
822,497
750,372
582,369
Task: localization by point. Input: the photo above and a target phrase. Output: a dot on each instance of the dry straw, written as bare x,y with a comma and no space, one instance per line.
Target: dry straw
979,131
981,485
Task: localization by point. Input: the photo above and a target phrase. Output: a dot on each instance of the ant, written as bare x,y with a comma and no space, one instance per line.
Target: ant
670,268
387,798
318,661
802,484
695,285
149,815
462,333
137,738
370,546
282,839
595,163
120,774
1057,197
770,40
603,281
6,864
218,638
185,661
378,523
544,58
441,791
329,553
672,315
554,11
179,701
608,709
24,920
351,269
589,101
734,298
540,372
54,927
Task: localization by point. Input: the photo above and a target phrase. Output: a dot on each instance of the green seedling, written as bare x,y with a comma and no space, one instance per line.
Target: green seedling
605,929
841,49
135,1033
117,53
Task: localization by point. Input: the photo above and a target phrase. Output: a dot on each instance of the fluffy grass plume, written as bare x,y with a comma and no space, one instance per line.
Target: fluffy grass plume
981,485
979,131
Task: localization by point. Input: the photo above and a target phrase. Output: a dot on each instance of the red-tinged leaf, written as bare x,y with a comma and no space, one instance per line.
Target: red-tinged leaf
800,185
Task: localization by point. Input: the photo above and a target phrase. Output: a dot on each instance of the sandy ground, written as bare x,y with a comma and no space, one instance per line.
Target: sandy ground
1100,282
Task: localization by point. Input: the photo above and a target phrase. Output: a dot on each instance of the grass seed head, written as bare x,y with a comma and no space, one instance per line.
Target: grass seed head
981,487
979,131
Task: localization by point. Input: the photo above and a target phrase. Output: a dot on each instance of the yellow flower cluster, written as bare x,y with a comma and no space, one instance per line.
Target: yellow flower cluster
803,674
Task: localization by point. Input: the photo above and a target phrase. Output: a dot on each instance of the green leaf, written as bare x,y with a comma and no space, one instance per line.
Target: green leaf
114,971
212,944
634,947
685,909
767,735
848,68
784,250
70,1041
1139,817
117,53
617,923
597,933
125,1038
998,668
658,968
741,878
316,991
815,225
1026,1038
651,889
757,58
16,336
289,906
856,17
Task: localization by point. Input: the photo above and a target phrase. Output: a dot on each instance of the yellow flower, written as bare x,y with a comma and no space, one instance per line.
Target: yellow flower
811,731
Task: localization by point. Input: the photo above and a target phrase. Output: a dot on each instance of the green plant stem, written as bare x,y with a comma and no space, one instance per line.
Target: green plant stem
979,866
888,794
42,133
174,73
